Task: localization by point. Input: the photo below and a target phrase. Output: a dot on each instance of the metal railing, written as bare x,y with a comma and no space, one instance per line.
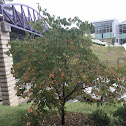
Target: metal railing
19,16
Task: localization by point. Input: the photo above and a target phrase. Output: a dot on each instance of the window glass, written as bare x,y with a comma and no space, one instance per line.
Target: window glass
124,31
124,27
104,30
107,30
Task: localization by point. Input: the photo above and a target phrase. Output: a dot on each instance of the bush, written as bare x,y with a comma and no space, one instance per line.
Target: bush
100,118
98,44
120,116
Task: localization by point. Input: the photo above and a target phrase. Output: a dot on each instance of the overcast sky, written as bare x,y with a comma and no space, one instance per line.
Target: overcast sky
90,10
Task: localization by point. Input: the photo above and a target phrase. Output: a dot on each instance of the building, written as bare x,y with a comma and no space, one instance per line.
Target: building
122,32
110,29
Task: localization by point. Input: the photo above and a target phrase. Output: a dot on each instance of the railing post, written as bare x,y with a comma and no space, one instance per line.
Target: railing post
34,16
7,81
29,18
14,15
22,13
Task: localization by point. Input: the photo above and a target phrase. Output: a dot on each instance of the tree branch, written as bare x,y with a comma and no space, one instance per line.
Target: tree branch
58,93
75,89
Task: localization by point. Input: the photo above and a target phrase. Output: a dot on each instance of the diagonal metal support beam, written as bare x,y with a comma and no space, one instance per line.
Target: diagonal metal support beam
18,19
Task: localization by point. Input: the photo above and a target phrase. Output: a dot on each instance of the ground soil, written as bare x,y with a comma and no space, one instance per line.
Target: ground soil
71,119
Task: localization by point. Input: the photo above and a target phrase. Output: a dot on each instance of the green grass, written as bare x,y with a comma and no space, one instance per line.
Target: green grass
82,107
111,54
13,116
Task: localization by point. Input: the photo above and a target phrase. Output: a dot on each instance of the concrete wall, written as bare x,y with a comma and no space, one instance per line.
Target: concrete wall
7,81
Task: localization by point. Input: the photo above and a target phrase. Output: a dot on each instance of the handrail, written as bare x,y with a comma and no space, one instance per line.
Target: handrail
20,19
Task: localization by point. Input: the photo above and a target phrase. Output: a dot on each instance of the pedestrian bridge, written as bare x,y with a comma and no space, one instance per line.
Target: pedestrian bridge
19,16
13,18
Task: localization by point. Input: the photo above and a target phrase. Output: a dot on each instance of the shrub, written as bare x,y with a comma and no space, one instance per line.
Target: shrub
98,44
100,118
120,116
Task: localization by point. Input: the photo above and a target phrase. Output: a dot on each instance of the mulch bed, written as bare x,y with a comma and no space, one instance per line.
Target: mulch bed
71,119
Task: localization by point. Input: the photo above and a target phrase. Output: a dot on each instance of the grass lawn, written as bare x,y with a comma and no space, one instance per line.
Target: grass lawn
82,107
111,54
15,116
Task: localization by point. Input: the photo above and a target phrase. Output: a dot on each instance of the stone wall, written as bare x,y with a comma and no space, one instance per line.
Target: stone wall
7,81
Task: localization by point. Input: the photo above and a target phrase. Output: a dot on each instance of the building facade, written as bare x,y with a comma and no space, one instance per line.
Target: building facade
110,29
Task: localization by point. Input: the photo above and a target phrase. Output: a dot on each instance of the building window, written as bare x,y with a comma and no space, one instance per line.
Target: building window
124,31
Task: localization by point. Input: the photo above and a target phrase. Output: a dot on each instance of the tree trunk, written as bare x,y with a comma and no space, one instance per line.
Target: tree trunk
63,115
63,112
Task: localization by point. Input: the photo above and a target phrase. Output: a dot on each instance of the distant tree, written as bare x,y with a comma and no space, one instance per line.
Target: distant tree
92,28
89,27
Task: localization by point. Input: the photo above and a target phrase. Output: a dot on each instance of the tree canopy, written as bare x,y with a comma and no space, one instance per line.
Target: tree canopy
60,65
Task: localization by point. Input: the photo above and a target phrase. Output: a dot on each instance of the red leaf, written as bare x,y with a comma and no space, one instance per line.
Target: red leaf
51,75
62,75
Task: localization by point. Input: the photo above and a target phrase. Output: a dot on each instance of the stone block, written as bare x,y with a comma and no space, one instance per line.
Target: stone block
12,92
13,99
2,74
10,75
6,102
8,96
0,98
5,27
4,51
14,103
4,37
5,88
8,81
3,80
2,69
7,76
7,68
2,77
2,46
4,93
3,55
1,59
6,59
4,33
10,100
4,42
6,64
